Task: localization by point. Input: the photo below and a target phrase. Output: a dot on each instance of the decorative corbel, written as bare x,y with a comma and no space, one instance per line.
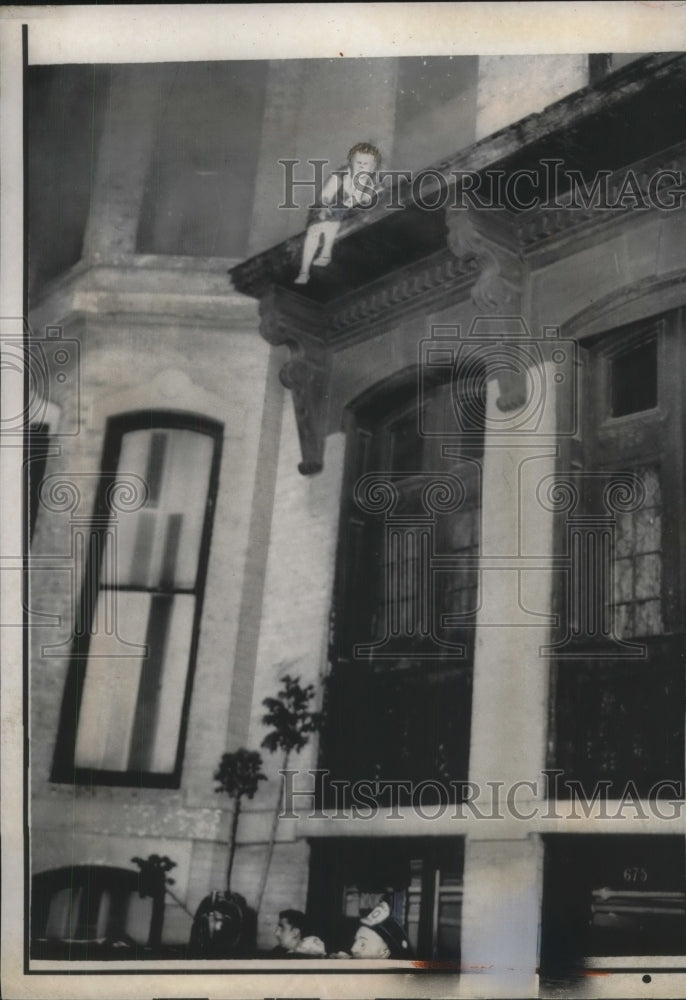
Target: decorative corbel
513,386
285,320
489,244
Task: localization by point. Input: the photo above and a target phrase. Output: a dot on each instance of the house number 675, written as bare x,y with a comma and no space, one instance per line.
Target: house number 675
635,875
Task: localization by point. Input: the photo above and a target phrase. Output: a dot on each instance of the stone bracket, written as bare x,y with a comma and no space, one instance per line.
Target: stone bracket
287,319
513,390
488,241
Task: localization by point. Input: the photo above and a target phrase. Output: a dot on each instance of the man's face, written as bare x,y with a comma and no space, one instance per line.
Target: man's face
368,944
287,936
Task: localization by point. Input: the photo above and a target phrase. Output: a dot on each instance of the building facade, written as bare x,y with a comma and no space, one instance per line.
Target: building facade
442,483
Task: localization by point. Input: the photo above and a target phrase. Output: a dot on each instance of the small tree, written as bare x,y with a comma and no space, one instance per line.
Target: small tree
153,882
239,774
292,722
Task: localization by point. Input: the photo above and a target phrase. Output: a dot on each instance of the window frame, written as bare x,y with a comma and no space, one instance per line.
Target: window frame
117,426
368,422
618,444
600,443
600,446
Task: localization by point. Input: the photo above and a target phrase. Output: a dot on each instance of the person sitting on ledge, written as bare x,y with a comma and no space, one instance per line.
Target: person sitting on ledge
345,191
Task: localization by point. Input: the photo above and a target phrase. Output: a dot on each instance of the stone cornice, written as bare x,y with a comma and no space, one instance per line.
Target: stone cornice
146,290
275,266
543,227
412,289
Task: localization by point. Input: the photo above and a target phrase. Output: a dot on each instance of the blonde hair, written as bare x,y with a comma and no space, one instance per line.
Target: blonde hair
367,149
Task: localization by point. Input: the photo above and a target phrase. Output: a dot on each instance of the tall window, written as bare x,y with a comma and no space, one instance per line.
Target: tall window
634,410
406,595
124,713
619,702
88,911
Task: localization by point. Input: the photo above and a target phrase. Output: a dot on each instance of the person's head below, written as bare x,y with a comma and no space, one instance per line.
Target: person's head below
364,158
311,946
380,936
290,929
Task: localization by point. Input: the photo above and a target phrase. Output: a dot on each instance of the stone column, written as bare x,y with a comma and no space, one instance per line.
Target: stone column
123,161
510,673
500,910
282,106
502,877
503,873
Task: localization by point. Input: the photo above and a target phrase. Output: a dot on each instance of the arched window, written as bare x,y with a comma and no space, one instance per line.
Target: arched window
88,911
136,632
407,583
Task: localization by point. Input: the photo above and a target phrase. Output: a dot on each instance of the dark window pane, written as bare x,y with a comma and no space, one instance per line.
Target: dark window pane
636,603
406,443
634,380
612,895
621,721
420,878
410,725
153,475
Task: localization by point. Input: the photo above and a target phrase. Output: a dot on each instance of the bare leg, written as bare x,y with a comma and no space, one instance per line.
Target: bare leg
310,247
330,230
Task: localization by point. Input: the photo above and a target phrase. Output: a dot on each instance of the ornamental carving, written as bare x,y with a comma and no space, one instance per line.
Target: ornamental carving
285,319
481,242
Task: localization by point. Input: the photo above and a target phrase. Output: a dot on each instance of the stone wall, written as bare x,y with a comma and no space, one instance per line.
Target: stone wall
216,365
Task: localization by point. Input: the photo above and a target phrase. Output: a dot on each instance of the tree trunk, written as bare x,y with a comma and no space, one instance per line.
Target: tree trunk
157,916
232,845
272,841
